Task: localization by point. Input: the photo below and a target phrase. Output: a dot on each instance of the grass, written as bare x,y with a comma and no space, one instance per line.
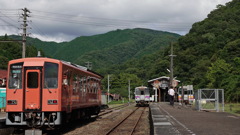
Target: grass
233,108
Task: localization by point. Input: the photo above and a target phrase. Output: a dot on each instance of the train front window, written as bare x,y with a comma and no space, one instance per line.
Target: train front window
137,92
15,76
50,75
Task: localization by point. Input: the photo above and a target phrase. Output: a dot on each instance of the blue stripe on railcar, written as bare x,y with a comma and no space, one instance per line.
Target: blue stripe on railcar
2,97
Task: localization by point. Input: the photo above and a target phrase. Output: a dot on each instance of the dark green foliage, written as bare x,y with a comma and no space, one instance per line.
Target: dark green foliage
13,50
115,47
119,83
208,56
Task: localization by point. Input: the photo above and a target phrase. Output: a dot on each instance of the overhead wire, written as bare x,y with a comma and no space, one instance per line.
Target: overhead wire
9,18
96,21
87,20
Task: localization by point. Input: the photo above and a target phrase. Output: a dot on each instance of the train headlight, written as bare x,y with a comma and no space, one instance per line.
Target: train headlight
52,102
12,102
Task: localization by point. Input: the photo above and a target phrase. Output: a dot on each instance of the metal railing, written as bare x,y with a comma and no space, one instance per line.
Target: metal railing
210,99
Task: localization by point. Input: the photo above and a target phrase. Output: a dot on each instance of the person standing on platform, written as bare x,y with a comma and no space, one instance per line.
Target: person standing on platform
171,94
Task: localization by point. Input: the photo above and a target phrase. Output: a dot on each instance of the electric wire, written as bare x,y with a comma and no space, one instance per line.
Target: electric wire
4,20
37,15
96,21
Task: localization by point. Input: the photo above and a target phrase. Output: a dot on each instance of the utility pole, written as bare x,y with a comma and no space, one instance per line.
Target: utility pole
171,65
129,90
108,89
24,34
89,65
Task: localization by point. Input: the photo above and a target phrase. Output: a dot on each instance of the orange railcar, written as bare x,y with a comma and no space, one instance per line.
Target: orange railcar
44,91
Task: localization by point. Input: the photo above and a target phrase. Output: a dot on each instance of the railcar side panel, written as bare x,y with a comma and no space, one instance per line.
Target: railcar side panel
44,91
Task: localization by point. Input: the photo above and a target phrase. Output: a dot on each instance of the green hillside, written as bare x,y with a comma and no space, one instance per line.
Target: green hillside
207,57
104,50
110,50
47,48
13,50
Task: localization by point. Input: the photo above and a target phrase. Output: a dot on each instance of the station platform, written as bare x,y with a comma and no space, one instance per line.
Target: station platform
168,120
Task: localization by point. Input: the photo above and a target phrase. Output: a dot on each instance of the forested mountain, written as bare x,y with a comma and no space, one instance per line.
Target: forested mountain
13,50
48,48
114,47
209,55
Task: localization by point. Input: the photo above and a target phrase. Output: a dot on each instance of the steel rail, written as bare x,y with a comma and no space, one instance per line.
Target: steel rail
111,130
109,110
137,122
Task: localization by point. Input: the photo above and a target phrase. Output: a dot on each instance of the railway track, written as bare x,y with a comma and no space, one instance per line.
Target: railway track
109,110
101,126
128,124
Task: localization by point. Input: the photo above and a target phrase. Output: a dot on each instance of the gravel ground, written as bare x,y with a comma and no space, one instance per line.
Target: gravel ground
103,124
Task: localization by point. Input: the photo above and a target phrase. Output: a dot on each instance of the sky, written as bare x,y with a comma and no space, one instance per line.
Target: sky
64,20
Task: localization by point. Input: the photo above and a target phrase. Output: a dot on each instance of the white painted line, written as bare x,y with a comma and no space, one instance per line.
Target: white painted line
162,124
158,116
233,117
160,119
176,120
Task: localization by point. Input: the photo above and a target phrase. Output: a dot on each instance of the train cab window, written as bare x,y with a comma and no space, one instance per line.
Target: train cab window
15,76
50,75
142,92
32,80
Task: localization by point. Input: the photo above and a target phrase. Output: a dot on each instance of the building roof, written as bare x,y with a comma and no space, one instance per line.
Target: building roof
159,78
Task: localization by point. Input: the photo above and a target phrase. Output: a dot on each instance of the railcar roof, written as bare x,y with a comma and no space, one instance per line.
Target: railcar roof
40,59
141,87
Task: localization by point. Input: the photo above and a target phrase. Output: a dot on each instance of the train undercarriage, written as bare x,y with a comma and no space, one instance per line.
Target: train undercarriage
37,120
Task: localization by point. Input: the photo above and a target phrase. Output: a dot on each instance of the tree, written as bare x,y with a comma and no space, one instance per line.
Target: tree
218,71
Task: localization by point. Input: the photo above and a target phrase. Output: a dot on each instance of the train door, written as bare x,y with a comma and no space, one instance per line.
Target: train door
33,89
142,96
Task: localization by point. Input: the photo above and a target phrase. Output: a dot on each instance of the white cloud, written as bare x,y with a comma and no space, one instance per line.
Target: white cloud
61,20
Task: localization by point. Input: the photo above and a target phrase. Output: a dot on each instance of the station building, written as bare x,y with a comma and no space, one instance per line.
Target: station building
160,88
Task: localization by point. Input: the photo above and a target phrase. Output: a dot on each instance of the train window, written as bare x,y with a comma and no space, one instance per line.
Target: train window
95,86
75,83
146,91
15,76
50,75
32,80
84,83
88,84
80,83
142,92
91,85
